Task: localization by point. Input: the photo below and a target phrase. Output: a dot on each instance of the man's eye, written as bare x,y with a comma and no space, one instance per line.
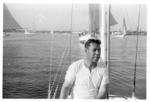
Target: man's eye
94,50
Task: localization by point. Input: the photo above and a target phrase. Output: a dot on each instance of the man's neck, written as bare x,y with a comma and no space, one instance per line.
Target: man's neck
89,64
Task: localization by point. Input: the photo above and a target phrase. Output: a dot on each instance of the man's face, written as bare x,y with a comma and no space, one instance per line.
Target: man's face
93,52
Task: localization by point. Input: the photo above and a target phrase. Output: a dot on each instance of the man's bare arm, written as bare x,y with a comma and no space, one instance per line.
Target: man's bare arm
102,93
65,90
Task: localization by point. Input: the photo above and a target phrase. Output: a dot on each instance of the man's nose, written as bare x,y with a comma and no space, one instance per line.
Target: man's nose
97,52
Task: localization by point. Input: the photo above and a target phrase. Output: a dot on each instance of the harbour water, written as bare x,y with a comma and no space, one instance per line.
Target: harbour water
30,62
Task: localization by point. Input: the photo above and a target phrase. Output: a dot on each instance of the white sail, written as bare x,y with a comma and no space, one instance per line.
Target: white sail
121,34
26,31
124,31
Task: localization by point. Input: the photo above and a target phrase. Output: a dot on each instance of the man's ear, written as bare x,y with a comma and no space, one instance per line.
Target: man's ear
85,49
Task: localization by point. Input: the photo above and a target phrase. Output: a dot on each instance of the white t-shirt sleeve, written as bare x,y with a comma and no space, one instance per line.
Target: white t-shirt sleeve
71,74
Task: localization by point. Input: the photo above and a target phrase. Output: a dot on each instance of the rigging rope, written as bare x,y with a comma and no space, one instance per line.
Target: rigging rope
51,50
66,50
59,77
58,68
54,96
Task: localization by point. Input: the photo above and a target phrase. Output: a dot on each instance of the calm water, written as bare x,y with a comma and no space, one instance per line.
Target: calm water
30,61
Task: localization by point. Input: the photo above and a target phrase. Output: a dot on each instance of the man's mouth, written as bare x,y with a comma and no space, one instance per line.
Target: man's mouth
96,57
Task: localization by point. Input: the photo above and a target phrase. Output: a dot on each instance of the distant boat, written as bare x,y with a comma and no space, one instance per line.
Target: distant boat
51,32
26,31
119,33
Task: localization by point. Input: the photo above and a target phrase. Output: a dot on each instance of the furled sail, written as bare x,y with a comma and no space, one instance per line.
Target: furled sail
94,18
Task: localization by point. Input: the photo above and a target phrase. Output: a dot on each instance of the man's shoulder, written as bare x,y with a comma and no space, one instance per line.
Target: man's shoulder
78,62
76,65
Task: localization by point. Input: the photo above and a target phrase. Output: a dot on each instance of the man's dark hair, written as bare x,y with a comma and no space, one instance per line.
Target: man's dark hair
88,42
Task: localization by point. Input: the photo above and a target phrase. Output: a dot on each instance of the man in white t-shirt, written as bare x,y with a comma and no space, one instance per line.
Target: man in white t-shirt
86,78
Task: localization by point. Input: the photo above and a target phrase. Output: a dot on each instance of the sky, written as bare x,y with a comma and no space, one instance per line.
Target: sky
57,16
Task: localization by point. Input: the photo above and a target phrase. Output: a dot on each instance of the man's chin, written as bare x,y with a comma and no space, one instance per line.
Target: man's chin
95,61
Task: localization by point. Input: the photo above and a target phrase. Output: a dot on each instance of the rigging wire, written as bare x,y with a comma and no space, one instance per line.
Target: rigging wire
58,68
51,50
108,43
55,92
139,53
128,19
71,32
64,54
135,65
137,38
60,76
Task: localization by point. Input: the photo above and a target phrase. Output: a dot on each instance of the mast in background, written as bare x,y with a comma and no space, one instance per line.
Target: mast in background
94,18
108,18
97,26
103,34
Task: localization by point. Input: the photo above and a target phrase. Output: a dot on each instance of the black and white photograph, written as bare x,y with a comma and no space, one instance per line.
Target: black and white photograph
88,50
